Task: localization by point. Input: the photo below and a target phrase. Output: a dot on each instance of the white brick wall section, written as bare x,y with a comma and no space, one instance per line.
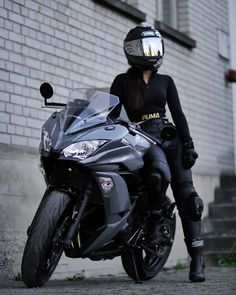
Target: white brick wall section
3,127
2,106
69,45
5,118
183,15
5,96
18,120
148,7
5,138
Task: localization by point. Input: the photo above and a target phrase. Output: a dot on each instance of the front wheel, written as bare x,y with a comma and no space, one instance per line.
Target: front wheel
144,263
43,249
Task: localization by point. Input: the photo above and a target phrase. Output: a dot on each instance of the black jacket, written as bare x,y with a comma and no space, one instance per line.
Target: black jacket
159,91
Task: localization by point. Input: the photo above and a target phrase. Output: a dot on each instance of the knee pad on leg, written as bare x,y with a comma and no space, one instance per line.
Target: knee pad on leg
156,187
163,169
155,182
191,207
196,207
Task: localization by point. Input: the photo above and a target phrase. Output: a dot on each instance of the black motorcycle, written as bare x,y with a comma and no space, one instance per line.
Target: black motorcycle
95,205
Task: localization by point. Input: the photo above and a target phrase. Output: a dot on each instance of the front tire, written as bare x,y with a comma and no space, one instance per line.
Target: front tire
41,254
147,264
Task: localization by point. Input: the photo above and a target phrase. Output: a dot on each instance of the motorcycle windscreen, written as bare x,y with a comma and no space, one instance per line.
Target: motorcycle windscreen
80,114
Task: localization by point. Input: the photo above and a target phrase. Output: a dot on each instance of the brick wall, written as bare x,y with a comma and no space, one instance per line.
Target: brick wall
79,44
63,42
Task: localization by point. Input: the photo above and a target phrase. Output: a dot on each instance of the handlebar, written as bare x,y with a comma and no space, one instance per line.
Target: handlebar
167,133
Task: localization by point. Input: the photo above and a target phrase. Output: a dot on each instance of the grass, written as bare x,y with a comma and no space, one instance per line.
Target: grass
18,277
179,266
227,261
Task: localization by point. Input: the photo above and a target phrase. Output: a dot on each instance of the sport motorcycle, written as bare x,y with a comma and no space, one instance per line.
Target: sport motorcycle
96,202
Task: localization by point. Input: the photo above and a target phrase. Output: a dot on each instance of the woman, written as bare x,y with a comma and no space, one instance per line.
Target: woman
144,94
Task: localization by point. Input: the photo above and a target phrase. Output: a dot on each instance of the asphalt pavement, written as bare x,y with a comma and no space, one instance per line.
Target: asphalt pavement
220,281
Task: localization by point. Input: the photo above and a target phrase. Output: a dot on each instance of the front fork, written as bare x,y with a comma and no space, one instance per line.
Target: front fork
77,214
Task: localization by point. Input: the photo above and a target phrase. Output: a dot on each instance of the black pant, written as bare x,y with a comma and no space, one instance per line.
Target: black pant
167,161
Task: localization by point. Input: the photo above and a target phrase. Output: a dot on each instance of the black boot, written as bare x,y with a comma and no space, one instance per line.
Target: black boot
154,234
196,272
193,232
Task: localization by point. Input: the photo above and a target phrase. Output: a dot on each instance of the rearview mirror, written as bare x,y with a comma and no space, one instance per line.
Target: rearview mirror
46,91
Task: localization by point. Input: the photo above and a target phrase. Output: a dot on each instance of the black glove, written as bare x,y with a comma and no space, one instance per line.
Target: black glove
189,155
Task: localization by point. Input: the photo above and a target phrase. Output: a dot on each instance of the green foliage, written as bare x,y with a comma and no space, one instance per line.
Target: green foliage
179,266
227,261
18,277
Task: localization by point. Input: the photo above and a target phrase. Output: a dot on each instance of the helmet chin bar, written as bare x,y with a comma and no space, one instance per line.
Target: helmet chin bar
145,64
154,70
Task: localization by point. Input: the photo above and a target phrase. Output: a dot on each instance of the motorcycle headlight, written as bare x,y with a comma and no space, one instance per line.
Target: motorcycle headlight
83,149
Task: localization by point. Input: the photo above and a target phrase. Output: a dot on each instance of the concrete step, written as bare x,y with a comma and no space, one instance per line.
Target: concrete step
227,181
222,210
220,243
225,195
212,258
220,225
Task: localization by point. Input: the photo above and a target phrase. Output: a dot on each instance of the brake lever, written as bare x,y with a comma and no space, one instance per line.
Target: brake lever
134,128
147,136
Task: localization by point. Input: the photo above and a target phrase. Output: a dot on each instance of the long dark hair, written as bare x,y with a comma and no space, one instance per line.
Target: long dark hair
135,89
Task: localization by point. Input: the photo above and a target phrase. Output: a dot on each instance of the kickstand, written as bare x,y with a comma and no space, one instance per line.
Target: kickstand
137,280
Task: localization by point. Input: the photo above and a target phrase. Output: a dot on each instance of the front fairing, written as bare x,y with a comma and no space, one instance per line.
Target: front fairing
80,114
83,120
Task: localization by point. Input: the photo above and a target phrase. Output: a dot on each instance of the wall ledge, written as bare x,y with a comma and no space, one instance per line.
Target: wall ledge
175,35
124,8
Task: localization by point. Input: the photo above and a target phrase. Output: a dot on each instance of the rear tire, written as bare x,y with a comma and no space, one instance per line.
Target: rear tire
148,267
41,255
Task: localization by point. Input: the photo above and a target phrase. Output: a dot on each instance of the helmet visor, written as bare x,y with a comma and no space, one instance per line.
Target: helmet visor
151,46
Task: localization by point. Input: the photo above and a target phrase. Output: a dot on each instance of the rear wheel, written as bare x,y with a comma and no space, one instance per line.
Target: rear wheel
43,248
149,261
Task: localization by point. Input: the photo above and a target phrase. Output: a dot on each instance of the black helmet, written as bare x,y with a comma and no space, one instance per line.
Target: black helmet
144,47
